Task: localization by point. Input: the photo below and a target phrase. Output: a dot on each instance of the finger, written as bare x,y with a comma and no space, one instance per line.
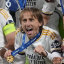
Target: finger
7,53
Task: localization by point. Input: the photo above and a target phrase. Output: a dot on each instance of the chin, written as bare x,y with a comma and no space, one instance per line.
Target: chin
30,37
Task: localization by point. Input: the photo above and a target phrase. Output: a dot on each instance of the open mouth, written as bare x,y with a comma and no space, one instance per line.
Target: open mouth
29,31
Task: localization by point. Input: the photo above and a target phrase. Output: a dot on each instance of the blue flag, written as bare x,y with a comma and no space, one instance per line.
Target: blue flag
12,5
22,4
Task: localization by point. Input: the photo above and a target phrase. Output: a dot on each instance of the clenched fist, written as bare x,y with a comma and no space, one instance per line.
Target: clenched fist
40,49
57,60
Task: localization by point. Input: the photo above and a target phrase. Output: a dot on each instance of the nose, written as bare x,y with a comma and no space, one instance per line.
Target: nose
28,23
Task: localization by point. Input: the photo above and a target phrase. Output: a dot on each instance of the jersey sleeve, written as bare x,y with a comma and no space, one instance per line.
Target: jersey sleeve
55,43
7,22
55,46
52,43
54,39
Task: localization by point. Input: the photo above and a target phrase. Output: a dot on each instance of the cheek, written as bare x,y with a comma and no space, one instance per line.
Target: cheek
36,28
23,26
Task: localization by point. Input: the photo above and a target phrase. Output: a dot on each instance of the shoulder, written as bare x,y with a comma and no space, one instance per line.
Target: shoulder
49,33
4,13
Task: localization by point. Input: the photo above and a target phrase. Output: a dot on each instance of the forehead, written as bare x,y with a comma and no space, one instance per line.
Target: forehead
28,15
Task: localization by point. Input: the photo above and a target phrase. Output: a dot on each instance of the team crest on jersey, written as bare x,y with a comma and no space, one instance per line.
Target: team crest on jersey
56,46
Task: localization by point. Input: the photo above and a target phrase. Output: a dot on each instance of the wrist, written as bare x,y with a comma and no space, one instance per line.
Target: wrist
2,51
44,54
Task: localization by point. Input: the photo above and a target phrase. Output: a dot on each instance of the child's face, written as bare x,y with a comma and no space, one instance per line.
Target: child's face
30,24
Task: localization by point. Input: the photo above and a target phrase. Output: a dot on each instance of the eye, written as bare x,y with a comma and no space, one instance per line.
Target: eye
31,19
24,20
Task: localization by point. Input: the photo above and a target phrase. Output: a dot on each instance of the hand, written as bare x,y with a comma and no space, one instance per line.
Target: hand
50,0
7,53
39,49
8,56
57,60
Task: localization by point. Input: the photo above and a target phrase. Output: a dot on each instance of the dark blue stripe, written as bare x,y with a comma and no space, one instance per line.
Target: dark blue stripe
62,6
